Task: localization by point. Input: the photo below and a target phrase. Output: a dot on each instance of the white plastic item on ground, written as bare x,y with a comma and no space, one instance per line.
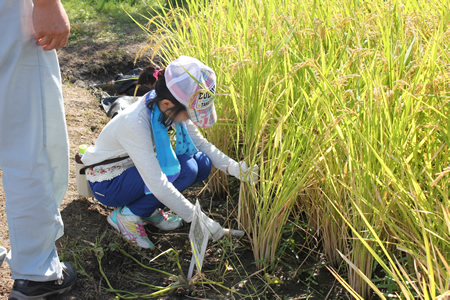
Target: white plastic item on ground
83,187
233,232
2,255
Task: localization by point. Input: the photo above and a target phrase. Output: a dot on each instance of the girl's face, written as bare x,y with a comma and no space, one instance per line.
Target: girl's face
181,117
166,105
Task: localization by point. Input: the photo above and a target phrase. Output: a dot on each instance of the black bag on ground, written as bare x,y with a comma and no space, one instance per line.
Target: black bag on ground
115,104
126,84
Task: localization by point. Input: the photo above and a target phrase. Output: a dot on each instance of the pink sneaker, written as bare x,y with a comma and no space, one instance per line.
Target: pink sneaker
131,227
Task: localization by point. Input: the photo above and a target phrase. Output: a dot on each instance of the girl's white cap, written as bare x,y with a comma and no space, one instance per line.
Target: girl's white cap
193,84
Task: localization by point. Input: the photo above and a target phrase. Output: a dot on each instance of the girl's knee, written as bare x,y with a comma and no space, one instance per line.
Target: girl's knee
189,169
204,165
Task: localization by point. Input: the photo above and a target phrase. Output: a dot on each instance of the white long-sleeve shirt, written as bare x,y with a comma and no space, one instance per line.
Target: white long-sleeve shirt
129,133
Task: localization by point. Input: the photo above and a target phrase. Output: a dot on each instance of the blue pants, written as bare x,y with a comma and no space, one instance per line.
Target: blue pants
128,188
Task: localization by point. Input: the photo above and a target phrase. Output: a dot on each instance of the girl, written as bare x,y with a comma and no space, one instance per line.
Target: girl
134,167
147,76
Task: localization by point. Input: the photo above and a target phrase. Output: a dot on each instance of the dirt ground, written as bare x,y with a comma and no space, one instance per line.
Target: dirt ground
87,234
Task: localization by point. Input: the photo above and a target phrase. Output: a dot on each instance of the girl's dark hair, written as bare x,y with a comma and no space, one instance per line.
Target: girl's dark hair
146,76
162,92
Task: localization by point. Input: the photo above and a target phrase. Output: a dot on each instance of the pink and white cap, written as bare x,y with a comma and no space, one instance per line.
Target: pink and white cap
193,84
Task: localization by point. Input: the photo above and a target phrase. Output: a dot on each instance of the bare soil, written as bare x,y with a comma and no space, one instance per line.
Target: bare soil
87,234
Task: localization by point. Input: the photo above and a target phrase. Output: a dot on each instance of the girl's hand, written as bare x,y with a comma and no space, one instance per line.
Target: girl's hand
215,230
242,172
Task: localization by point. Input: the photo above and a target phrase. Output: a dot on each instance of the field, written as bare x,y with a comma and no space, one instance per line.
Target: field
345,107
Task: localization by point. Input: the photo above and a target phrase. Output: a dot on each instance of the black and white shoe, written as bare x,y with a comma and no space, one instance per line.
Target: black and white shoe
27,289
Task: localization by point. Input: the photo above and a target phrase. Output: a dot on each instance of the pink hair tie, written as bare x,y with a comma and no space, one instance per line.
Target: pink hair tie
155,74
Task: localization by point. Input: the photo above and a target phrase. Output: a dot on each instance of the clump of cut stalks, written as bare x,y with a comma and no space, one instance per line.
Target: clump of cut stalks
344,105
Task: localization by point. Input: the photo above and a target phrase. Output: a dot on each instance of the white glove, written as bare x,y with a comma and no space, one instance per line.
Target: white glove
215,230
242,172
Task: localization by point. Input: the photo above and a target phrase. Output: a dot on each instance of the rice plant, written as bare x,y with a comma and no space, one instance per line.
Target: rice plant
344,105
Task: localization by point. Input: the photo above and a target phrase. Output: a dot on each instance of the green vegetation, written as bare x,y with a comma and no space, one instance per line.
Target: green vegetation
106,20
345,107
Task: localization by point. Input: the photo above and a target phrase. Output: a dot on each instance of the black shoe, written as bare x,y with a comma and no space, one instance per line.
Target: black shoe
27,289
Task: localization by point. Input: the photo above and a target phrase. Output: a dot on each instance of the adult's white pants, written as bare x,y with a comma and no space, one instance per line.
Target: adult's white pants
33,145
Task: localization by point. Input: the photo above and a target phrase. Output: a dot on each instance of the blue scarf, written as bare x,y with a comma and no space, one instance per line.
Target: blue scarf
167,159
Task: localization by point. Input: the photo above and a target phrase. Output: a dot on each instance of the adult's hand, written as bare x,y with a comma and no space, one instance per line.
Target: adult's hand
51,24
